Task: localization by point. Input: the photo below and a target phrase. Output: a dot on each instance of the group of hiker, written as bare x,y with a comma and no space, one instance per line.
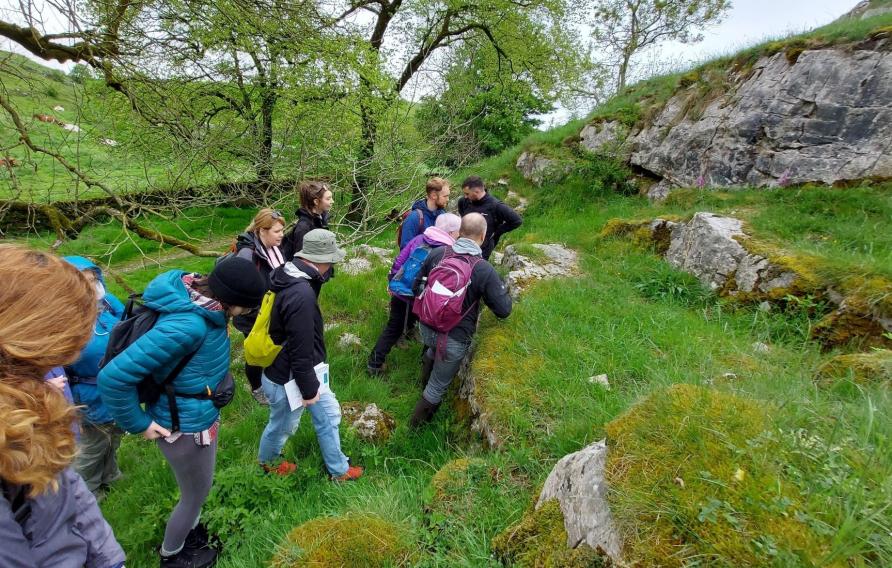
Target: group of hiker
160,367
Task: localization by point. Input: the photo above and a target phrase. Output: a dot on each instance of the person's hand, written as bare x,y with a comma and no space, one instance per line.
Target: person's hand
58,382
312,401
155,431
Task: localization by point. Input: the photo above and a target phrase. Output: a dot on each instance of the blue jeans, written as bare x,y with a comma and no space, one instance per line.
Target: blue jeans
283,422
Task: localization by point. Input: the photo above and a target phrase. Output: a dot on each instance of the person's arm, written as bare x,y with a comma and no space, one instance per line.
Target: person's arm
104,550
404,255
247,253
462,206
495,294
160,349
298,319
410,227
507,220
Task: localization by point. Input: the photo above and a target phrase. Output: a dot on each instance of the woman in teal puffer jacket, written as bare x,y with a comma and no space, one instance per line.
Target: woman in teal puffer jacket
194,312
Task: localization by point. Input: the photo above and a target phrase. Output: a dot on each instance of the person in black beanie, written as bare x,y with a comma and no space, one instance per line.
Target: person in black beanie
190,336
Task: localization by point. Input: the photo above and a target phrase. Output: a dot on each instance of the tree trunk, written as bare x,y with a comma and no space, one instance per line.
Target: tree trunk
362,179
264,160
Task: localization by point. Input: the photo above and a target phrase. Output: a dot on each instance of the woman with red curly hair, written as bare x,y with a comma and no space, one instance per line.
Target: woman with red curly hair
47,515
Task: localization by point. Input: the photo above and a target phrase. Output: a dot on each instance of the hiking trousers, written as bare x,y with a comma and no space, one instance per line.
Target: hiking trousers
446,365
283,422
400,322
96,458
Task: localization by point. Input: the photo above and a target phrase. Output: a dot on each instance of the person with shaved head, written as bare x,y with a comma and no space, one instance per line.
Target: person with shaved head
446,348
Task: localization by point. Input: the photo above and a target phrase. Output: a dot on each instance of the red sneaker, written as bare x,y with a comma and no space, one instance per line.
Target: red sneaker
284,468
354,472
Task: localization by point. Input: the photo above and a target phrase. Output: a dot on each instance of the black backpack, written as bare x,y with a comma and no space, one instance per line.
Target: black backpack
135,322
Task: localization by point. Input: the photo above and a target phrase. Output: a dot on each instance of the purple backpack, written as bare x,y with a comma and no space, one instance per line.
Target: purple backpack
439,306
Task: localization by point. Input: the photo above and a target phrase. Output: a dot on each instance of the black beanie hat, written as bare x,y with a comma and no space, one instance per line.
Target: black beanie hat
236,282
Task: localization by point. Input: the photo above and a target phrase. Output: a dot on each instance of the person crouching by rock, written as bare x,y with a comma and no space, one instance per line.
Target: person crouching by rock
188,343
260,245
100,437
401,319
48,517
292,382
453,272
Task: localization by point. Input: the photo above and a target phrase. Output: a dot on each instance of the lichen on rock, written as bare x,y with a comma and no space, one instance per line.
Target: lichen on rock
368,421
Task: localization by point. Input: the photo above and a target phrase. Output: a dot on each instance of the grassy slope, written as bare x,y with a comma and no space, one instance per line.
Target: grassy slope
629,316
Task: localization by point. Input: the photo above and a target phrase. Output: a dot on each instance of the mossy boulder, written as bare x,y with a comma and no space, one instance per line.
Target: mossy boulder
862,368
854,320
540,540
355,540
368,421
689,473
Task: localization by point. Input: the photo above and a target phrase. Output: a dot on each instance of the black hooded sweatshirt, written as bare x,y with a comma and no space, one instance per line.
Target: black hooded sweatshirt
500,219
296,324
306,222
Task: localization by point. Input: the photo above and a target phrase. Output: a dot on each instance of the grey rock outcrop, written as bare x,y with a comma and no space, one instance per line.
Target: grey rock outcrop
709,247
362,258
827,118
555,261
539,169
579,485
606,138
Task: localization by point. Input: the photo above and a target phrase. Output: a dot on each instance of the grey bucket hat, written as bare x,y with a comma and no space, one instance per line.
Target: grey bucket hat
320,246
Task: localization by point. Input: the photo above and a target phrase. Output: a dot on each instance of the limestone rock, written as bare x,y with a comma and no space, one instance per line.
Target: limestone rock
600,380
368,421
709,247
826,117
761,348
551,261
706,248
355,265
362,258
349,341
539,169
579,485
606,138
659,191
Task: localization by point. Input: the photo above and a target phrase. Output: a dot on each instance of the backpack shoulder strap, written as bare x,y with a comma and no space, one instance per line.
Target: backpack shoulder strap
420,221
167,384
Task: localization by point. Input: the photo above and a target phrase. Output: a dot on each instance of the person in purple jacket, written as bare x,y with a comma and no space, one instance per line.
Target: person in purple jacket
401,319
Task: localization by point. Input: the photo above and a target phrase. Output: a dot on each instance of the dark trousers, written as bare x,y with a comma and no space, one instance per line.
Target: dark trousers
401,321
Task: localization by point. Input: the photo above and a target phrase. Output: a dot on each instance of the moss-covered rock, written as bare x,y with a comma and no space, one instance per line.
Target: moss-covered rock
853,321
688,474
539,540
453,484
862,368
356,540
368,421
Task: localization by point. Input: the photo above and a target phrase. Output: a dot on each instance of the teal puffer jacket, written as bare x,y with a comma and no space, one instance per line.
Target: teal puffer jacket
181,328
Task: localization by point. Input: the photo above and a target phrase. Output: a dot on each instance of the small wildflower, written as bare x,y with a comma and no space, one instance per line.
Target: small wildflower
739,475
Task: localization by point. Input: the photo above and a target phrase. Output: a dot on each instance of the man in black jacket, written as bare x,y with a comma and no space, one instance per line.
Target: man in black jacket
500,218
443,355
296,324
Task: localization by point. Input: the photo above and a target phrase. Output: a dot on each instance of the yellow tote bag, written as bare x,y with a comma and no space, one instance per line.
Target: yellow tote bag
260,350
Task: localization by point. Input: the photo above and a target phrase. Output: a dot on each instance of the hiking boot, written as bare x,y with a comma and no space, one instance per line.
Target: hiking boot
423,413
190,558
284,468
354,472
427,367
375,370
198,537
260,396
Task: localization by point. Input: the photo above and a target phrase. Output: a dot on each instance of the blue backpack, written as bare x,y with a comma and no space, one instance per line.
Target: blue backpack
402,282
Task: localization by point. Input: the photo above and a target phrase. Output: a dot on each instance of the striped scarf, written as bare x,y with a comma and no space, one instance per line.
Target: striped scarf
197,298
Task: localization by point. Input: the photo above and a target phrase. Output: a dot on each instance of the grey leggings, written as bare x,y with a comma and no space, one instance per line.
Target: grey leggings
193,466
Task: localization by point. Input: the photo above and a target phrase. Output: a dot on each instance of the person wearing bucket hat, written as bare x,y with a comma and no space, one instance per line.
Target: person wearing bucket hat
296,324
190,335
